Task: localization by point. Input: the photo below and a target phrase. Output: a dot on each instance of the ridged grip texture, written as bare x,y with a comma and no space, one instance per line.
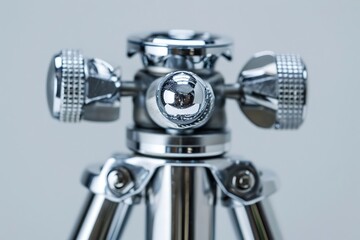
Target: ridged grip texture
291,91
72,85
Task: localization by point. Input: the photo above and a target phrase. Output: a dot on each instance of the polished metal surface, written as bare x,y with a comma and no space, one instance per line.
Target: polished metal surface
162,144
144,78
143,168
180,204
66,85
179,134
180,190
179,49
272,90
101,219
180,100
80,88
255,222
244,180
120,181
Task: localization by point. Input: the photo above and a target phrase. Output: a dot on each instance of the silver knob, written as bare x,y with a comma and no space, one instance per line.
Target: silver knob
79,88
273,90
180,100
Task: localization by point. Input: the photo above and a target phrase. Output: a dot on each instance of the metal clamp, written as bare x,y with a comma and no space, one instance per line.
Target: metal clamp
229,174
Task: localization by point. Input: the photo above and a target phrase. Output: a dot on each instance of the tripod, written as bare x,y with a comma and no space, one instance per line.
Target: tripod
179,136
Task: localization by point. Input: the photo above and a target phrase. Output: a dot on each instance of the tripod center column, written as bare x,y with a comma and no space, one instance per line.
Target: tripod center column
181,204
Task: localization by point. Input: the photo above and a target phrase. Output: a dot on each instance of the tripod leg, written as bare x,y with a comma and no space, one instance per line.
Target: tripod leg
255,222
101,219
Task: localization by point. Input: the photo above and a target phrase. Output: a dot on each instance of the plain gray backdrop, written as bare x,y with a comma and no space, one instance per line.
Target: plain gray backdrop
42,159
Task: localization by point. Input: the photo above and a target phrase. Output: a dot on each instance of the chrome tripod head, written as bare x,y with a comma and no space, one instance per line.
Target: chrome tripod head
179,119
271,88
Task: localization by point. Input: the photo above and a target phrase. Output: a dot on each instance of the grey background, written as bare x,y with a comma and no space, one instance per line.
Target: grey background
42,159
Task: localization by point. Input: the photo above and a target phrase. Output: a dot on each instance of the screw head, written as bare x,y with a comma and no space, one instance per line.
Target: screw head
119,181
244,180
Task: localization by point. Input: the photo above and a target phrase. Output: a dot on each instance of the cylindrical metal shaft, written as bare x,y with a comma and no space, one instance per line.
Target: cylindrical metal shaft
101,219
255,222
181,204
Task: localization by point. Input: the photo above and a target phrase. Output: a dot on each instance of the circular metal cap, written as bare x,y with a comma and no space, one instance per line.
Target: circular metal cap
179,49
180,100
273,90
66,85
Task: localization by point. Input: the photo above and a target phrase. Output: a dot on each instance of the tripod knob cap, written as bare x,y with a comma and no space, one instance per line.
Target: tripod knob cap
273,90
66,86
180,100
79,88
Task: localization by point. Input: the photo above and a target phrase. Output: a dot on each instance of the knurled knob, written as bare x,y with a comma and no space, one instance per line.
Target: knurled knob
80,88
180,100
273,90
66,85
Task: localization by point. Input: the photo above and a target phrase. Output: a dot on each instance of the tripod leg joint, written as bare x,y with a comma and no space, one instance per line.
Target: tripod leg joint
241,181
119,179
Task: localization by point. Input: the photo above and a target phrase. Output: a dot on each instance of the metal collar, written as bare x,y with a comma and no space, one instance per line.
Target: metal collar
161,144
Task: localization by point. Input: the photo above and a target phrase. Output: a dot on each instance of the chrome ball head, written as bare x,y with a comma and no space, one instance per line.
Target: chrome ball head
273,90
80,88
179,134
180,100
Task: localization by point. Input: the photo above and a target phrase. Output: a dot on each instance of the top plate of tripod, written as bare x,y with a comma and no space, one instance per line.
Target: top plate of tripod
179,48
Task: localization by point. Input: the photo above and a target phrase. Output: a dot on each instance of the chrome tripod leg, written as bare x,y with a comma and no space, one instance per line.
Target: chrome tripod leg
101,219
255,222
181,204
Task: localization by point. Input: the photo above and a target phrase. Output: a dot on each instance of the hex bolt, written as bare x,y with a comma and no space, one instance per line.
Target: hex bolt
119,180
244,180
